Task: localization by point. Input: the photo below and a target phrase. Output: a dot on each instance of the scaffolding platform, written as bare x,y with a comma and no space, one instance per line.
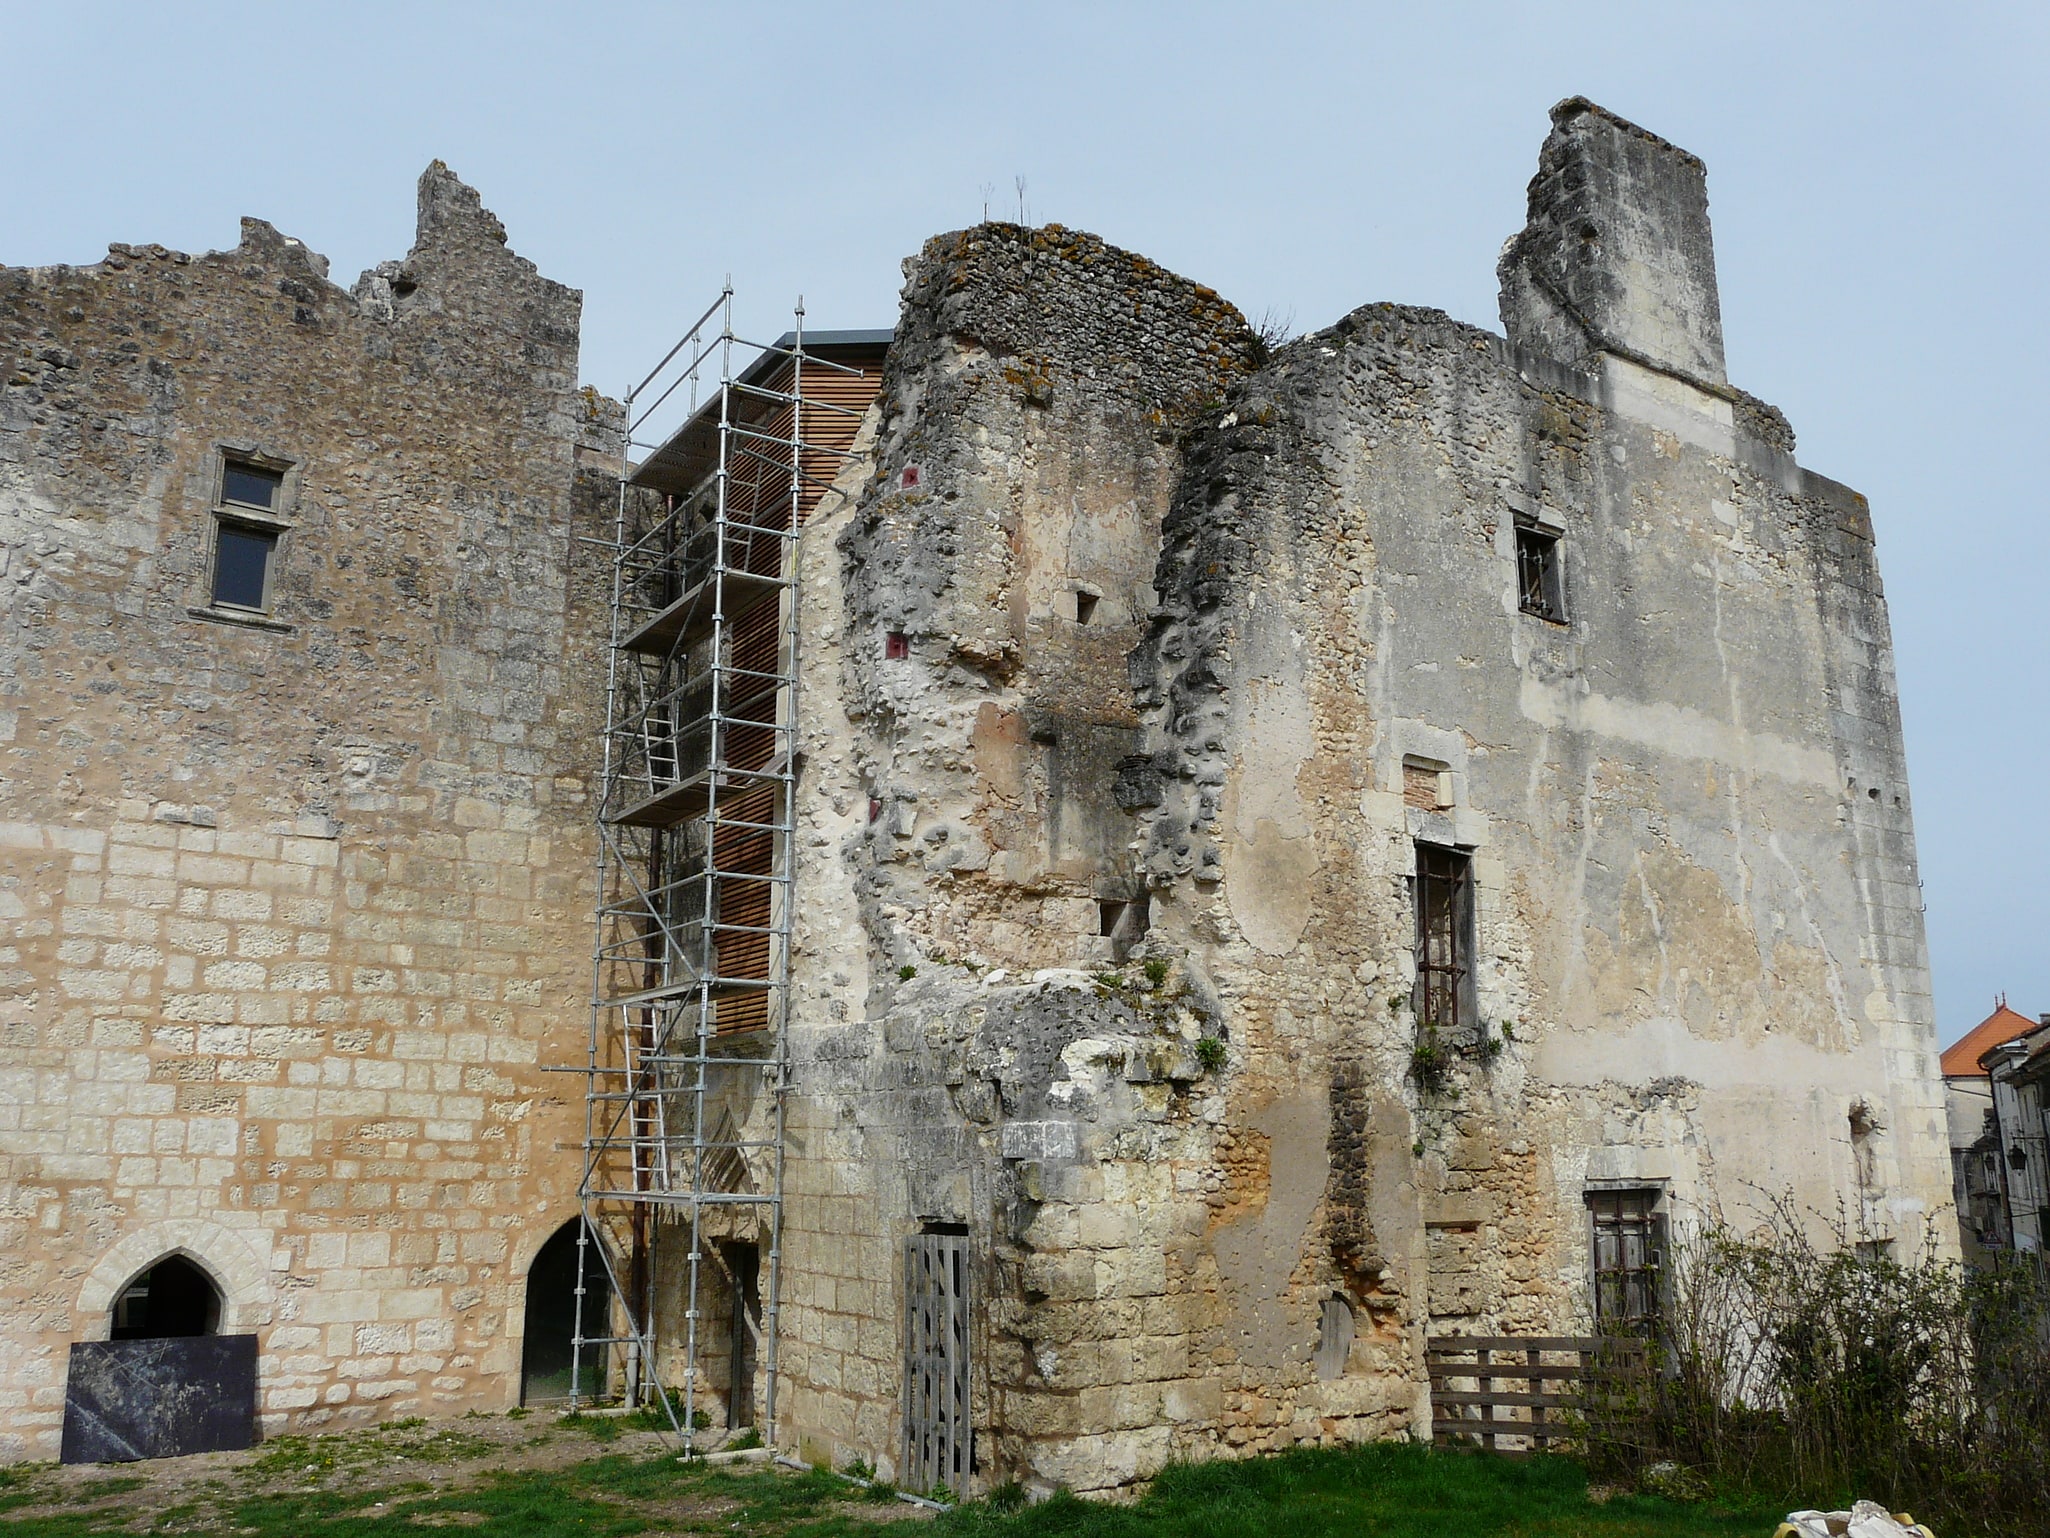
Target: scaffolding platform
685,1067
690,618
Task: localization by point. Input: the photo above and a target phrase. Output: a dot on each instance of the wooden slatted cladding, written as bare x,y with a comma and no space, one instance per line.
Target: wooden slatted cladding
746,857
773,486
752,693
758,462
758,497
758,500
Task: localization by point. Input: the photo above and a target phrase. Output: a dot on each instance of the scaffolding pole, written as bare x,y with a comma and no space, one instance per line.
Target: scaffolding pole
685,1065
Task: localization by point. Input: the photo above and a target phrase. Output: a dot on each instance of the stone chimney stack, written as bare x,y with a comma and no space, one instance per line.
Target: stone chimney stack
1616,256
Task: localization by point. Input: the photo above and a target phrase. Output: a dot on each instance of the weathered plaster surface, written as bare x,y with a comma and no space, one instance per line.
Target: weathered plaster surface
1700,946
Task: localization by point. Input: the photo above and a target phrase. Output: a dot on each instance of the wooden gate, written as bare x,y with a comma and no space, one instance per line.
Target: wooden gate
937,1436
1521,1394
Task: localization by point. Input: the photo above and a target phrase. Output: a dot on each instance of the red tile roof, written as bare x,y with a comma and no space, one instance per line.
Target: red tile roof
1961,1058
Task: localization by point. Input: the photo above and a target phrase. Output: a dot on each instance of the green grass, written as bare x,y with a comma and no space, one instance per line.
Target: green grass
1390,1490
370,1485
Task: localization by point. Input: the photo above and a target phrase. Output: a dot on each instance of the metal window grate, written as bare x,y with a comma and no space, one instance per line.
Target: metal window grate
937,1437
1629,1240
1539,588
1444,937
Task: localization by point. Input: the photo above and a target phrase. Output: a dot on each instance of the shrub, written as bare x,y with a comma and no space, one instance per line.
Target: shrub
1816,1375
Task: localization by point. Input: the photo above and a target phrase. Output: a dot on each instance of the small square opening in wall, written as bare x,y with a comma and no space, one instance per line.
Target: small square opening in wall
1123,921
896,646
1085,607
1540,582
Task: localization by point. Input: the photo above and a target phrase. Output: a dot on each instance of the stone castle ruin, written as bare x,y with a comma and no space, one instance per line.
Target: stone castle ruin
1141,876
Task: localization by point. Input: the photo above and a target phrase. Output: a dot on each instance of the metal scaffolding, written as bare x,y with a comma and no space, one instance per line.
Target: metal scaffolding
686,1071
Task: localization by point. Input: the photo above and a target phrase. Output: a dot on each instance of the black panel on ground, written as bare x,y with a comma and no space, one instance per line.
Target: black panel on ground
164,1398
551,1321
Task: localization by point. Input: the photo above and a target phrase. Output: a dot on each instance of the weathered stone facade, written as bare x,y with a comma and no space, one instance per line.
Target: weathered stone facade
296,903
1140,672
1217,1182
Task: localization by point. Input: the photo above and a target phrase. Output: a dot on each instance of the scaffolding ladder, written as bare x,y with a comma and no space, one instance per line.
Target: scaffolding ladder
686,1067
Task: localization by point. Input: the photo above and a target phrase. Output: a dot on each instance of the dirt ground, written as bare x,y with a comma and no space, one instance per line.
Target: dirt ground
515,1473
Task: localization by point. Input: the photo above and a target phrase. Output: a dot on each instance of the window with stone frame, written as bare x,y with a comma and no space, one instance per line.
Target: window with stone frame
1444,993
1540,571
248,521
1629,1245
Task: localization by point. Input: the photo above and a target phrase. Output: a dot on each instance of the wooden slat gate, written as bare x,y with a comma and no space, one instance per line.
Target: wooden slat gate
937,1437
1519,1394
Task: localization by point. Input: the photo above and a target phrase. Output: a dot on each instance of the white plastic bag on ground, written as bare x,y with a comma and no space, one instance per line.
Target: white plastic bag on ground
1866,1519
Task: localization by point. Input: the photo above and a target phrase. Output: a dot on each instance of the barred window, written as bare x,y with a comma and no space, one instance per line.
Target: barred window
1629,1253
1540,582
1444,939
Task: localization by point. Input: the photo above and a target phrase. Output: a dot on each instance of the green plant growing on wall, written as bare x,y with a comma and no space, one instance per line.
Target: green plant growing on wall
1429,1063
906,972
1156,973
1210,1052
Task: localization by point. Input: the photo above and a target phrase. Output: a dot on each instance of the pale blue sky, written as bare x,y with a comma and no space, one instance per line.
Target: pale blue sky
1877,174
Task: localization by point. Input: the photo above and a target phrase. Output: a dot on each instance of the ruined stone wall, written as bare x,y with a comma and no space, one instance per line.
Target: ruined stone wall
1699,950
969,1050
1218,1184
296,906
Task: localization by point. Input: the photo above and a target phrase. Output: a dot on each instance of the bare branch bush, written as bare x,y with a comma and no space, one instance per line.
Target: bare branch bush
1820,1374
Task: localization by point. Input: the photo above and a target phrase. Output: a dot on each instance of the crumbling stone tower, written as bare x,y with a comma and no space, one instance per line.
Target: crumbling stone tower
1304,852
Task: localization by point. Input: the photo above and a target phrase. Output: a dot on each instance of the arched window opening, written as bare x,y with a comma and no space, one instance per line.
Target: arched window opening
173,1298
548,1353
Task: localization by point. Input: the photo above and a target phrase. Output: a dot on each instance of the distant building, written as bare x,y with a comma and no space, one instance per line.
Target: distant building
1980,1192
2018,1071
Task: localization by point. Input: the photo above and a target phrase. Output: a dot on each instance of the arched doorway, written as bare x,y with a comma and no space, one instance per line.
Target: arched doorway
172,1298
548,1353
165,1382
